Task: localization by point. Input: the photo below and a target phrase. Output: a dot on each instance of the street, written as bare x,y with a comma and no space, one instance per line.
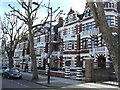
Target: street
19,84
55,83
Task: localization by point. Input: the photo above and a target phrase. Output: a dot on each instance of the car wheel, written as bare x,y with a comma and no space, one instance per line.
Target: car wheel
8,77
3,75
20,77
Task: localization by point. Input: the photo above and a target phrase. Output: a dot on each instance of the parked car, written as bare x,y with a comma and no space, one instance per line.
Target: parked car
2,69
12,73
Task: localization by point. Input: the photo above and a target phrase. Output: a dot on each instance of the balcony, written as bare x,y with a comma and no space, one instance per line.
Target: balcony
57,53
100,50
89,32
40,44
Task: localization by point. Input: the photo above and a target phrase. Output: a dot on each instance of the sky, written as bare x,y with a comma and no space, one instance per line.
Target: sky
65,5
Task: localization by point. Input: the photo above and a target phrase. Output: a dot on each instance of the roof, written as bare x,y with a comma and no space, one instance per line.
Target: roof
71,11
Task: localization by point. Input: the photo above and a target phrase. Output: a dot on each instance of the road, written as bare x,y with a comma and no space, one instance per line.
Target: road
19,84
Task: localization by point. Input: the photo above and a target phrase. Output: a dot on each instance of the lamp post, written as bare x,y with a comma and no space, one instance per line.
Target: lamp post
23,54
49,45
48,70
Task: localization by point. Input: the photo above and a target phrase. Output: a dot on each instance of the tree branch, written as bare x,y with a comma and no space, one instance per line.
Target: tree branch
18,13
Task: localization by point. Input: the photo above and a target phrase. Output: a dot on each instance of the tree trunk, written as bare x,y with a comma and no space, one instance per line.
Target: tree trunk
10,57
118,8
32,52
110,40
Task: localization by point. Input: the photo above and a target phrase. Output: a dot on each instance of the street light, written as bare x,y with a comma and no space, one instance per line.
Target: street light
50,49
48,70
49,46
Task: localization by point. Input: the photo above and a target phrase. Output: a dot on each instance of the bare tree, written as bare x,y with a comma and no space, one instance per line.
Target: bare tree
28,18
12,30
111,41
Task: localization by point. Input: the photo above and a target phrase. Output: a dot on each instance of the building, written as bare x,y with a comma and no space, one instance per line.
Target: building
71,42
71,39
43,41
82,39
92,42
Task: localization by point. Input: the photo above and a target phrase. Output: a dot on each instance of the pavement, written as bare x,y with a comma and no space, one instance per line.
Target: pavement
63,83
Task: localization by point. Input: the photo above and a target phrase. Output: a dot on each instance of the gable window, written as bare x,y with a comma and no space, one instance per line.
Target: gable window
70,18
88,13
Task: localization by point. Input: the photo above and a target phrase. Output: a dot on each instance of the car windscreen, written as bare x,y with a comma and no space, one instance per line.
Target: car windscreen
14,70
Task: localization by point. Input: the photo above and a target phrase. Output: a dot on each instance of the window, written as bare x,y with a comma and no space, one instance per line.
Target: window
109,5
72,62
89,26
83,27
65,32
66,45
112,5
92,27
103,42
73,45
88,13
70,18
86,26
92,42
109,20
42,38
72,32
85,42
35,42
38,39
106,5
